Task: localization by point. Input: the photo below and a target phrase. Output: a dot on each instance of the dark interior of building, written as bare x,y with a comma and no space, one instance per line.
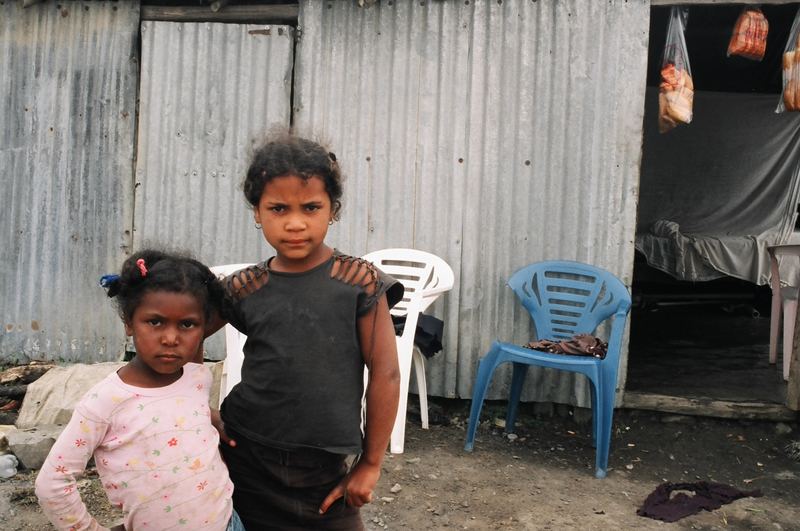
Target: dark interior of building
708,340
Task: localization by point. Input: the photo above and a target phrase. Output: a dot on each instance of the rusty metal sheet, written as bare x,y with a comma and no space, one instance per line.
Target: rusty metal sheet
208,92
66,148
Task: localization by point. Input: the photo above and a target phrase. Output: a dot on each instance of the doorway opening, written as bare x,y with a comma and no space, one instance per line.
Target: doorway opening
699,333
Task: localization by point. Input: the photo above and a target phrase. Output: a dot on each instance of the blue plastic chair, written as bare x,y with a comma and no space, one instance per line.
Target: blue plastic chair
564,298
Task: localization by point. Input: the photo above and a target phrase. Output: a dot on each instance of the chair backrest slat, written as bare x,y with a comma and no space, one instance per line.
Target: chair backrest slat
566,298
417,271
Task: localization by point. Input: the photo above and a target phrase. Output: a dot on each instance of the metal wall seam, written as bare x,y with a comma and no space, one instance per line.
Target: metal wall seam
492,134
66,147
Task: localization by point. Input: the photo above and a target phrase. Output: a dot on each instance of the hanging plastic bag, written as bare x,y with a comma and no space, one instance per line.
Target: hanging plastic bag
676,91
749,37
790,97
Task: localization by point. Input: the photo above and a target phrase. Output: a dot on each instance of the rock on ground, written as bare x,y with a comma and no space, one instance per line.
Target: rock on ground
51,398
32,445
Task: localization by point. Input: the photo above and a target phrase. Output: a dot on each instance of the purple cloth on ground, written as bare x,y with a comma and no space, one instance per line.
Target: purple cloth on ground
709,496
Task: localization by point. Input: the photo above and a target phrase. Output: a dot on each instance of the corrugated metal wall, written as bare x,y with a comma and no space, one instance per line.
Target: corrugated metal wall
493,134
66,150
208,90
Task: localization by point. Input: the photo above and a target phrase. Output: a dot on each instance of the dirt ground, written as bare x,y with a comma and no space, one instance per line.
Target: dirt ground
543,478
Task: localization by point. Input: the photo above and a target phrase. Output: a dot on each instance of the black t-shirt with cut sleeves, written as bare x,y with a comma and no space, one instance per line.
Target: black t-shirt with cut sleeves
302,375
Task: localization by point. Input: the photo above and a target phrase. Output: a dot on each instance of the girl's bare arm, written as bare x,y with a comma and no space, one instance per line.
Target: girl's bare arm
379,347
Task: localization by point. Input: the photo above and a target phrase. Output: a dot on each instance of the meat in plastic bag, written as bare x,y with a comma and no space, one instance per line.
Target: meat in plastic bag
749,37
676,91
790,97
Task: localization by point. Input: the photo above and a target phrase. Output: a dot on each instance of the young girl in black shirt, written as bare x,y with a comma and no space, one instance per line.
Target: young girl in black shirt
314,318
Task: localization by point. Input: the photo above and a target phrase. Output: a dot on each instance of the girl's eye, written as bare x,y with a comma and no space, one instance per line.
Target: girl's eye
312,208
188,324
277,208
154,322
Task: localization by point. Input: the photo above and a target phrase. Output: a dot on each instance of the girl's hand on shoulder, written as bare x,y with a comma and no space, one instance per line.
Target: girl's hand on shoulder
356,487
216,421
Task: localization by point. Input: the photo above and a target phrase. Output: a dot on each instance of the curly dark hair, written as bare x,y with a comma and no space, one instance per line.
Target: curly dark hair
176,273
287,154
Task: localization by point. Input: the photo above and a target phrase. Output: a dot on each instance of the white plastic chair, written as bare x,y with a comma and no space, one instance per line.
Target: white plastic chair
784,301
234,342
424,276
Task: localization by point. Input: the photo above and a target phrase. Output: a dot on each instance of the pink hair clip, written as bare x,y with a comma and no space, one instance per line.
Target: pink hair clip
141,266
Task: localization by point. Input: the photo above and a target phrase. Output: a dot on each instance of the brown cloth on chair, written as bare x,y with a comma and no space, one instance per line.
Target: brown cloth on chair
709,496
579,345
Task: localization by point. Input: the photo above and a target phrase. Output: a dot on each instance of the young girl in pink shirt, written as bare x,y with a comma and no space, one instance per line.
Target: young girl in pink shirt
148,425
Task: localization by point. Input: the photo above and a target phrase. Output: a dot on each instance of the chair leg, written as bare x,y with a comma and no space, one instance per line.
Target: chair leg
775,311
422,386
595,416
485,369
517,379
789,316
399,430
605,417
774,328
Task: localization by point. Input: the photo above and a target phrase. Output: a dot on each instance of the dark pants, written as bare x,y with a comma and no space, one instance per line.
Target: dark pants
279,489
